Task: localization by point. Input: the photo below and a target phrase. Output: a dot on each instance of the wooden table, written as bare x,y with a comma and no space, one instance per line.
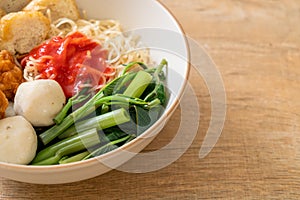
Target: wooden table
256,47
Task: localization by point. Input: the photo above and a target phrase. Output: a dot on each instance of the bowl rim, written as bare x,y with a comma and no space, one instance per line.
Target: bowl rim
166,115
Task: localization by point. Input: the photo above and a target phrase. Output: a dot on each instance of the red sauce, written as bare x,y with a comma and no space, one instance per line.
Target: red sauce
71,61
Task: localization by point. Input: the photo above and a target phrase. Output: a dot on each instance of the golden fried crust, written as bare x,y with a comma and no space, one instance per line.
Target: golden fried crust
3,104
11,76
22,31
2,12
13,5
58,8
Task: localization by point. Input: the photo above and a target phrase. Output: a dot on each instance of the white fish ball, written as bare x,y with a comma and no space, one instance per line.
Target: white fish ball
39,101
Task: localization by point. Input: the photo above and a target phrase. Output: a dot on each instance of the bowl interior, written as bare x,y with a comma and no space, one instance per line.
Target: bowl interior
157,28
160,32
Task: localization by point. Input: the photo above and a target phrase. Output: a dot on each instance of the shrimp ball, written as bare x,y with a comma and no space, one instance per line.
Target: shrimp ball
39,101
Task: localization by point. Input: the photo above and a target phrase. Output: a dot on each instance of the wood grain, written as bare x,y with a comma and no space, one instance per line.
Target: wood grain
256,47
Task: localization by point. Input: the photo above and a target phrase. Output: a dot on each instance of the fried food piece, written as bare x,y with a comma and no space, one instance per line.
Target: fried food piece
13,5
21,31
11,76
57,8
2,12
3,104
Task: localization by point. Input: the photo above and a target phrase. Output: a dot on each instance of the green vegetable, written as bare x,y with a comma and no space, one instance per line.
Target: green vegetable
118,113
117,136
107,147
138,84
100,122
98,100
81,112
71,102
159,89
132,64
78,157
52,154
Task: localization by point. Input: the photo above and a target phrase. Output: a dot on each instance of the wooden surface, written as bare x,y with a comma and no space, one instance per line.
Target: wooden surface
256,47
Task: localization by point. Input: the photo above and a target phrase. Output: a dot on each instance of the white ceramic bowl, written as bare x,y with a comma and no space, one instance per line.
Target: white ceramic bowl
161,32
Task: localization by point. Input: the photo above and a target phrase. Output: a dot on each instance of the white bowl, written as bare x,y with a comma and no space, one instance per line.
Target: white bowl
161,32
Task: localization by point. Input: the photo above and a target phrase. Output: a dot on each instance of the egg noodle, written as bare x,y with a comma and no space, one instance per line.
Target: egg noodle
122,47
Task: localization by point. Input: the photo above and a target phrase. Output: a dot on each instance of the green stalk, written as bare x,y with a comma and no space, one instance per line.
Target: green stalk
121,85
120,98
63,113
153,104
48,161
107,147
72,148
104,109
130,65
107,120
159,90
138,84
56,130
53,149
160,67
71,102
75,158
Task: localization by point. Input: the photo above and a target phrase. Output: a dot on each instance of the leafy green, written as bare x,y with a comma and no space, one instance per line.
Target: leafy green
142,94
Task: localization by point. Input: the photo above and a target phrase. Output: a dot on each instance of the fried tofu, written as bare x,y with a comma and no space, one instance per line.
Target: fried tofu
2,12
58,8
13,5
21,31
